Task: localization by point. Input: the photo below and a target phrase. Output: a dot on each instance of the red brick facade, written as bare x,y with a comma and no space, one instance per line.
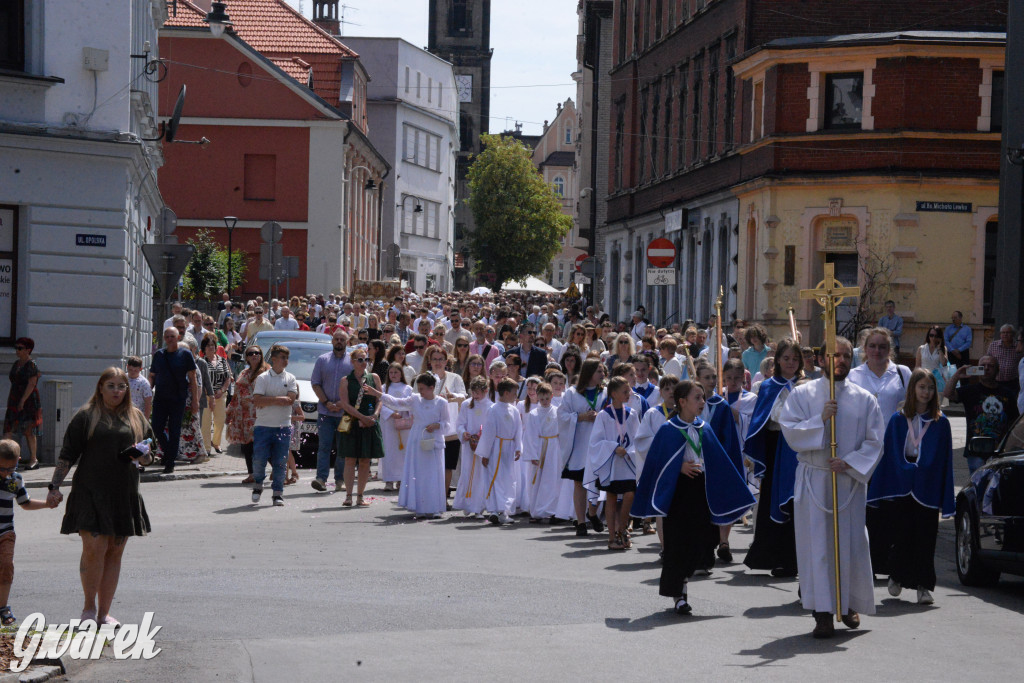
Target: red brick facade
666,153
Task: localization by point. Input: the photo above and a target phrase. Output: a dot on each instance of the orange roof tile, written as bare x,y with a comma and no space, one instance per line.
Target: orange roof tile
280,33
270,26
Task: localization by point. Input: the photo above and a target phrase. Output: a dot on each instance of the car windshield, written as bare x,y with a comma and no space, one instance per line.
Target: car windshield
301,360
1015,437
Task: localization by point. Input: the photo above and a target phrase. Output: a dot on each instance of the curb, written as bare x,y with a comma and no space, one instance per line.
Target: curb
155,477
39,674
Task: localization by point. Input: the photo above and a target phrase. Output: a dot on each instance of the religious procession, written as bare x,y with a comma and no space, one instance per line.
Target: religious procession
525,409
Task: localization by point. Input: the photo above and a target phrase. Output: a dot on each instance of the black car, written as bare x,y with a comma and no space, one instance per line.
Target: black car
990,511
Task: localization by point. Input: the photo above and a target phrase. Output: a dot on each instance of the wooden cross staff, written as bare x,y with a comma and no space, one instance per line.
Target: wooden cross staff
829,293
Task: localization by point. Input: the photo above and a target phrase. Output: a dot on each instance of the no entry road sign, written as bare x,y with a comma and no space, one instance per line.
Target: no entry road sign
661,253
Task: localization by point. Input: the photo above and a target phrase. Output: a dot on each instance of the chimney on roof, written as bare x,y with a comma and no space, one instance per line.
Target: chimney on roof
325,15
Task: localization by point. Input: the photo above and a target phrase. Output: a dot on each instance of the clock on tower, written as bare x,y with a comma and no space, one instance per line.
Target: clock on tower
464,85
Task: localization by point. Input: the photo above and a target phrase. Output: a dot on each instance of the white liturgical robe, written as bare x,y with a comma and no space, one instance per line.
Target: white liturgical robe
859,433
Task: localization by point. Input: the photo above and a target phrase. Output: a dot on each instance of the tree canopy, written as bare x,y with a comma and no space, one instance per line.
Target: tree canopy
519,219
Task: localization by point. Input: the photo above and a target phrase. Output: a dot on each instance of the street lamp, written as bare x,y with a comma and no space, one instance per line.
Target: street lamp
229,223
218,19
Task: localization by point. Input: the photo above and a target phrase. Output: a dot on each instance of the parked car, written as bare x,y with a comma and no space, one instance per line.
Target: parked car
268,338
301,358
990,511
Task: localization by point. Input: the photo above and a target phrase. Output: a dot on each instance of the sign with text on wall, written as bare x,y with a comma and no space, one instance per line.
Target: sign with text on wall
946,207
661,276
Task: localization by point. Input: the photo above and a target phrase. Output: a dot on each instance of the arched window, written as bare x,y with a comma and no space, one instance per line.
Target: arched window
559,186
568,135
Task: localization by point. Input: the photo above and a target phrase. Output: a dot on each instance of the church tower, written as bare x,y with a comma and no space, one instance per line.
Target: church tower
460,32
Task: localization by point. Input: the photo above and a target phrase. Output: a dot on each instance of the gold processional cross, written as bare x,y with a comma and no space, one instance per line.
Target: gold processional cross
829,294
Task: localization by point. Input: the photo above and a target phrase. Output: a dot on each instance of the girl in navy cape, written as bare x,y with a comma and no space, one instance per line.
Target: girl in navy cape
913,484
774,544
691,481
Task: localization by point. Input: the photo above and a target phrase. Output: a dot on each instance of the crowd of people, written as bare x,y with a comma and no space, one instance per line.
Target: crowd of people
519,406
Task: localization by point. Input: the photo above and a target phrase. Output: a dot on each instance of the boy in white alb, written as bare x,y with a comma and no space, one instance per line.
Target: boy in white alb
501,445
540,450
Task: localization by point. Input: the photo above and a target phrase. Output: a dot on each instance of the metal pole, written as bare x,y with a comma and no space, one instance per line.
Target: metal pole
230,231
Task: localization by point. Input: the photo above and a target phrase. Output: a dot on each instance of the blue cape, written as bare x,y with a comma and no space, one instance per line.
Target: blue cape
725,486
754,446
723,424
929,480
646,390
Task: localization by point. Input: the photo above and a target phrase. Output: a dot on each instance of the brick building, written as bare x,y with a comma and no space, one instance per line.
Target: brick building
284,105
680,139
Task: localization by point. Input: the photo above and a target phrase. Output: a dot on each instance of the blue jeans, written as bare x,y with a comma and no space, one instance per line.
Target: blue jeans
327,431
270,444
974,462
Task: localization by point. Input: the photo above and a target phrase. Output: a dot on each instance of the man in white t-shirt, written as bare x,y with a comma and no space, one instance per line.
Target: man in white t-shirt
274,393
286,321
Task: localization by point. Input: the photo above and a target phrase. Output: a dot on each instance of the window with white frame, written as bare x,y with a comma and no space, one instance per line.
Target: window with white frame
568,135
559,184
844,100
426,222
421,147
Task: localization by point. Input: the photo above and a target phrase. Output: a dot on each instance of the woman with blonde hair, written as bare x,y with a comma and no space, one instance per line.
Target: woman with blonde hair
104,506
621,352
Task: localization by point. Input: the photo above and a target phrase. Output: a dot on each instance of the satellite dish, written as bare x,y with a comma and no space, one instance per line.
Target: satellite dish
172,125
169,129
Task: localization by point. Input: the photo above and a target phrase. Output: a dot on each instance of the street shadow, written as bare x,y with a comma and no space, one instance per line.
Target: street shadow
634,566
788,609
248,507
339,508
224,485
592,552
781,649
658,619
894,607
741,577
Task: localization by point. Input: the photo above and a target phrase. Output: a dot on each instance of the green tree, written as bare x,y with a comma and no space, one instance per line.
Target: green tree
206,274
519,219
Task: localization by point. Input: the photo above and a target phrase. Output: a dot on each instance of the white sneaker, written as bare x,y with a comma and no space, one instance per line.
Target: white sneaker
256,493
505,519
278,501
924,597
894,588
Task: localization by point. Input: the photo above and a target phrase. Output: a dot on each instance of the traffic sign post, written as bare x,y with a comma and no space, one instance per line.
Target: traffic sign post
167,262
661,276
661,253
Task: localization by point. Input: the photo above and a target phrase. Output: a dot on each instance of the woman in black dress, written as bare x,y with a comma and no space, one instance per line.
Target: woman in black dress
24,413
363,440
104,507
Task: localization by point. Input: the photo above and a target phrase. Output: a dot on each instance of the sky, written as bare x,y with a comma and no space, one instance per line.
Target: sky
534,43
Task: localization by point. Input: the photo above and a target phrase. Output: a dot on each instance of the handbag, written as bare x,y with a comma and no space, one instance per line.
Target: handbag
428,443
347,421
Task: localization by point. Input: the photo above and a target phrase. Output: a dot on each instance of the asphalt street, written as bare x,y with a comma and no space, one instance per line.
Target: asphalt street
316,591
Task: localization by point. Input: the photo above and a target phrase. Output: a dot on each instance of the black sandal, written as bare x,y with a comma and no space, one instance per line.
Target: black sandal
6,616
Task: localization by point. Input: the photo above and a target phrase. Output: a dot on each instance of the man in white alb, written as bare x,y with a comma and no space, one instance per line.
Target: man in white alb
859,432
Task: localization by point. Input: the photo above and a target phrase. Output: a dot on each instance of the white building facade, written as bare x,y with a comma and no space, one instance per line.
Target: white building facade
413,120
79,195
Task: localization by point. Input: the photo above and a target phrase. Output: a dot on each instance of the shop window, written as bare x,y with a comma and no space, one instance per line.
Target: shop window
8,273
844,100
